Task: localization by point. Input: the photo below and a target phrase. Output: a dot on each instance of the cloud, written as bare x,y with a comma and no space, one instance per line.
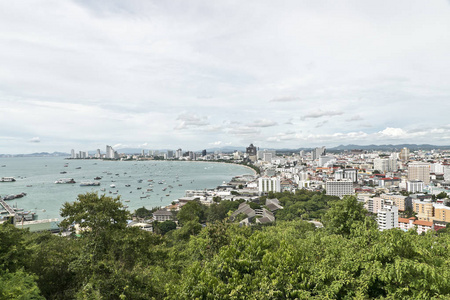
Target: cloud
320,113
355,118
187,120
217,143
285,99
244,131
262,123
320,124
35,139
390,132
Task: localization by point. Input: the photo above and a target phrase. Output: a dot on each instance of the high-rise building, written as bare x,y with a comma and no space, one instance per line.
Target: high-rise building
98,154
404,154
72,153
251,150
204,152
318,152
169,154
179,153
109,152
419,171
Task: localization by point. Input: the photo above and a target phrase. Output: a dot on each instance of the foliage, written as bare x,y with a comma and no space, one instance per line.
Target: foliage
143,212
166,226
442,195
291,259
97,213
190,211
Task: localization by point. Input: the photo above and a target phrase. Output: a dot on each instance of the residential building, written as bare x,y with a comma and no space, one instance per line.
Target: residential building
339,188
162,215
404,155
441,212
318,152
419,171
414,186
269,184
402,202
424,209
387,217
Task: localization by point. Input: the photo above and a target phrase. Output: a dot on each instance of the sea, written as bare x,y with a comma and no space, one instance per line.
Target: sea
138,183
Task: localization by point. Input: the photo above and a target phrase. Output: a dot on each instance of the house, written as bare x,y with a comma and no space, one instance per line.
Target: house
419,225
273,204
162,215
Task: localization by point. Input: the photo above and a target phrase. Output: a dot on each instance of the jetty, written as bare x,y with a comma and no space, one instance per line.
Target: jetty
8,208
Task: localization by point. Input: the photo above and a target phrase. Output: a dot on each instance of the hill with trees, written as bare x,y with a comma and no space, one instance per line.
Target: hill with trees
290,259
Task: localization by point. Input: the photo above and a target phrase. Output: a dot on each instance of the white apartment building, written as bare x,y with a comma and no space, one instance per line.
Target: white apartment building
385,164
419,171
414,186
339,188
387,217
269,184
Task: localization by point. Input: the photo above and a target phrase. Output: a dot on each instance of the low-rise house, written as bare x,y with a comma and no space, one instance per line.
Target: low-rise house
273,204
162,215
419,225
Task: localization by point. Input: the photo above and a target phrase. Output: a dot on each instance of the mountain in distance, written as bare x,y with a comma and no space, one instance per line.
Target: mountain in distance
40,154
390,147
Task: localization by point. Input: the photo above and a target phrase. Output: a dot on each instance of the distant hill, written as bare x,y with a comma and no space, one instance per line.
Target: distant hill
40,154
390,147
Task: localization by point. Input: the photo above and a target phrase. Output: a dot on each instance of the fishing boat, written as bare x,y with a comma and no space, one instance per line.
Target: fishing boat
65,181
90,183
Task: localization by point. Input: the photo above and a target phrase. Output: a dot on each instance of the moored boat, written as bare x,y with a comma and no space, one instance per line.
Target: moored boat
90,183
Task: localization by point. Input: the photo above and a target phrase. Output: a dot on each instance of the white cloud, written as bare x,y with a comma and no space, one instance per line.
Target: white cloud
122,71
35,140
285,99
393,133
190,120
262,123
320,113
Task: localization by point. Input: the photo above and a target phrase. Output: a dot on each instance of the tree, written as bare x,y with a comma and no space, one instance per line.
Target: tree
345,215
95,213
190,211
442,195
143,212
166,226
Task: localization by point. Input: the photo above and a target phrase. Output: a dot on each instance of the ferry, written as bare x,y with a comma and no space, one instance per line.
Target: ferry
65,180
7,179
90,183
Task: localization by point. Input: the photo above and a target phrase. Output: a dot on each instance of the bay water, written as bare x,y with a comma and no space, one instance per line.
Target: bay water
136,182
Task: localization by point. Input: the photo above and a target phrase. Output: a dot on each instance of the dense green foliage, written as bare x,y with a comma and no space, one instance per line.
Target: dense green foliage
348,258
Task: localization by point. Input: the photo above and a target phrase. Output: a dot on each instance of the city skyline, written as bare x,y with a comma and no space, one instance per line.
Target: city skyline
152,75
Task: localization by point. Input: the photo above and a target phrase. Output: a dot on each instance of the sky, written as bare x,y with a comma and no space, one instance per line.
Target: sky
201,74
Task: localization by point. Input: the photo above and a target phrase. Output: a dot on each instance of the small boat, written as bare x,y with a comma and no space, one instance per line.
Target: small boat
138,188
63,172
127,200
7,179
112,186
89,183
127,185
29,185
97,178
65,181
78,168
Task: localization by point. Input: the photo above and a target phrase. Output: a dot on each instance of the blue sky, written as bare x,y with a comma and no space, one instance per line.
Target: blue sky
199,74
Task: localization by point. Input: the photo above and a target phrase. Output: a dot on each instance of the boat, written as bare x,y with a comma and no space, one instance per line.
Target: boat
7,179
65,180
112,185
102,189
97,178
78,168
180,184
63,172
127,185
138,188
127,200
139,181
90,183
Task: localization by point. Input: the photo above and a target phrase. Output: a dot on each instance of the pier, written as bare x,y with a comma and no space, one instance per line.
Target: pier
8,208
